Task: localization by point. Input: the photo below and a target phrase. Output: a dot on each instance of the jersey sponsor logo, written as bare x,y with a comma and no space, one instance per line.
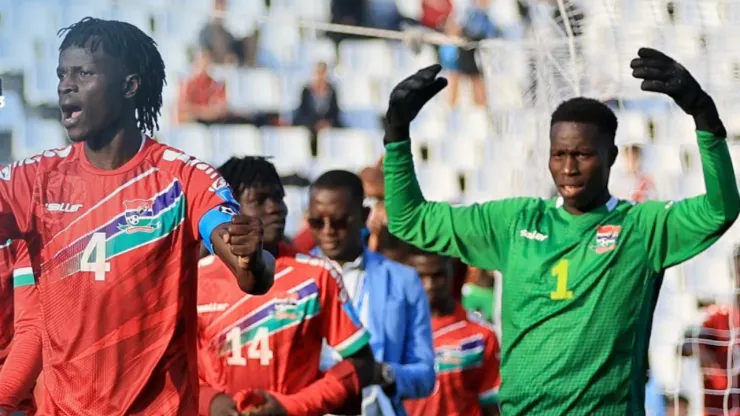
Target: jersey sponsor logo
227,210
62,207
139,216
212,307
532,235
606,238
286,306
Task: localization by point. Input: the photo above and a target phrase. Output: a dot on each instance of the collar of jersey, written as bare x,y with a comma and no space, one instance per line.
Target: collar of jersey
133,162
610,204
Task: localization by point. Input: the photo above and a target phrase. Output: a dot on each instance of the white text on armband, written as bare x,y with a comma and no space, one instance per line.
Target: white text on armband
6,172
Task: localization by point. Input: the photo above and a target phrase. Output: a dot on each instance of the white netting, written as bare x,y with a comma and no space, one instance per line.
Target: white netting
588,54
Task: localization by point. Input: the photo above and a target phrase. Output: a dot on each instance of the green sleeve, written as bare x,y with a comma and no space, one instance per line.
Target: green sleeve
677,231
478,234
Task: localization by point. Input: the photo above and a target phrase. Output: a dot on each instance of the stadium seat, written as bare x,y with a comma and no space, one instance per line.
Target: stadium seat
40,135
317,50
139,17
72,11
236,140
193,139
368,57
361,119
357,92
254,90
34,19
296,198
12,116
290,147
278,43
180,23
40,82
633,128
439,183
347,148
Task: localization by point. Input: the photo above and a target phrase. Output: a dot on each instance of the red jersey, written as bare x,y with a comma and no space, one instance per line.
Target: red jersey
118,254
467,363
719,332
273,342
15,271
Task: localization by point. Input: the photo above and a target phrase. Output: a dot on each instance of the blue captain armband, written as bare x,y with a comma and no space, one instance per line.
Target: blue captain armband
213,218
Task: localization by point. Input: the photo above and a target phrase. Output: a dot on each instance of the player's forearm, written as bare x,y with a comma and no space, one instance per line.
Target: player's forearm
327,395
256,279
410,217
722,202
21,369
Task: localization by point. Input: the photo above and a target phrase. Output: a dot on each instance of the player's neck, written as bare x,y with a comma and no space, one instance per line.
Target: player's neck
115,146
595,204
350,256
444,308
272,248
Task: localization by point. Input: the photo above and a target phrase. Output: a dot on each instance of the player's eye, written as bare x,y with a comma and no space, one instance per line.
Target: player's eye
583,155
85,74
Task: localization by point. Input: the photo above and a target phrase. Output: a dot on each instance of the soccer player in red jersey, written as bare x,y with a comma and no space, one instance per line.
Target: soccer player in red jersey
16,272
113,225
466,349
273,343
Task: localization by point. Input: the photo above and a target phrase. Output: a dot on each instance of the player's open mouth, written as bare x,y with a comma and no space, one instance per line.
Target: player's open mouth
570,190
70,114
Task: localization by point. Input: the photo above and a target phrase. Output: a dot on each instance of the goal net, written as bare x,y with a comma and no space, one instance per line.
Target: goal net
583,48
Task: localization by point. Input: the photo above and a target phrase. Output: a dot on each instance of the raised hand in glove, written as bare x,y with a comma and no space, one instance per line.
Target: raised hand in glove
661,73
407,99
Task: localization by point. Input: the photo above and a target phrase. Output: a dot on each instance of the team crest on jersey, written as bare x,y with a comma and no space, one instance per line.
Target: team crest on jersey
139,217
287,307
606,238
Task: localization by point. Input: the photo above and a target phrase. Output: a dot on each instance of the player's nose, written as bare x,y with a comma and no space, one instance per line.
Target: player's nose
66,85
570,166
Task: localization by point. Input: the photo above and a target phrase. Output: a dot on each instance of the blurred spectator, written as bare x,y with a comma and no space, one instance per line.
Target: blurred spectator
679,406
347,12
655,400
642,185
716,347
434,13
319,108
383,14
388,296
216,40
478,295
474,24
202,98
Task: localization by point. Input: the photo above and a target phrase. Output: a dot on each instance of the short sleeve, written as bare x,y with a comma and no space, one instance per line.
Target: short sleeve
210,202
341,324
491,379
16,197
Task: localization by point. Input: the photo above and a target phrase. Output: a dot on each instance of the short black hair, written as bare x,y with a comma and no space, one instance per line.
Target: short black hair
138,52
586,110
250,171
341,179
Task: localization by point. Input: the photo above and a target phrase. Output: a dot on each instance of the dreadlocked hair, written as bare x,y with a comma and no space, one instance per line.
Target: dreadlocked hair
139,53
250,171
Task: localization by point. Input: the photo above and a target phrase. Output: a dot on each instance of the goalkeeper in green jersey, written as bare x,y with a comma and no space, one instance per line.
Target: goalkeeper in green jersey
581,271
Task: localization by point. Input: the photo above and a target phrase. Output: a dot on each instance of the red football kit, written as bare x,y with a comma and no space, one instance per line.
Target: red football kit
724,349
467,363
117,252
15,270
272,342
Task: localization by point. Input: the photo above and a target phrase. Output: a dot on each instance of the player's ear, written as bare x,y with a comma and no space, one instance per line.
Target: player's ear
131,85
613,153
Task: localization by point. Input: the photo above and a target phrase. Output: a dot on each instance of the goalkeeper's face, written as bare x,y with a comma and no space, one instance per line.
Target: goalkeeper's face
580,162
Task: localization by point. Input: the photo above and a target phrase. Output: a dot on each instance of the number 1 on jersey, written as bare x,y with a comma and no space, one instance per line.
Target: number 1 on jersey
98,265
560,272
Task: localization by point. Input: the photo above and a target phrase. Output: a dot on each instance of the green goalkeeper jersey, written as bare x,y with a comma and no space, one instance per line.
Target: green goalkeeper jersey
578,290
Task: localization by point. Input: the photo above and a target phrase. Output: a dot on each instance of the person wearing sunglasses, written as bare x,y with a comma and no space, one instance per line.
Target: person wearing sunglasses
388,296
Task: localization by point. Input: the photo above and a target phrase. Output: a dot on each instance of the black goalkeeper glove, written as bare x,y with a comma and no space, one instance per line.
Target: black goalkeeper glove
407,99
660,73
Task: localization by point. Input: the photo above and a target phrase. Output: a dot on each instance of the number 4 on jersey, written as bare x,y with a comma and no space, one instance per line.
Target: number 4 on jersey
96,265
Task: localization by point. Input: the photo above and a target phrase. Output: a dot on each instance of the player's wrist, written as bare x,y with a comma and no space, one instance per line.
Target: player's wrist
395,133
706,116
